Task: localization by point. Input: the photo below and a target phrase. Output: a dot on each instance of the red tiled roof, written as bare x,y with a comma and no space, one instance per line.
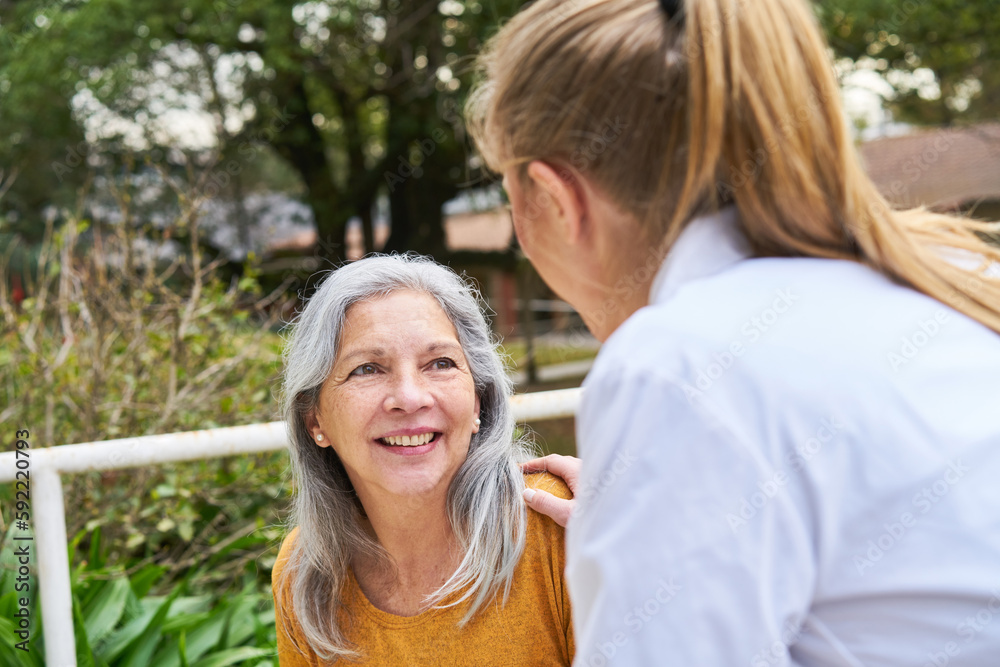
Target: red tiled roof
943,168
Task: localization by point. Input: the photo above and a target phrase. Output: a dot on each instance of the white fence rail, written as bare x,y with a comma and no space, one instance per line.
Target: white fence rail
48,511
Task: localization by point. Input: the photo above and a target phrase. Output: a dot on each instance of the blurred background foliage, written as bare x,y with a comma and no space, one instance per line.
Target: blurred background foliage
938,60
332,95
123,313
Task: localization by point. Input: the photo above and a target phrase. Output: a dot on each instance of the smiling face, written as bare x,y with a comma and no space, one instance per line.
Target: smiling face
399,405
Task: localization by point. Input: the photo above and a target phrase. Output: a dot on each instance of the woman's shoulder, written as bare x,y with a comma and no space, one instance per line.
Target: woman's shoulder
284,553
546,481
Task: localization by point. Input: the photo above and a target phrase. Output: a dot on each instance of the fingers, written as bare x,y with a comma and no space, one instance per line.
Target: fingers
567,467
557,509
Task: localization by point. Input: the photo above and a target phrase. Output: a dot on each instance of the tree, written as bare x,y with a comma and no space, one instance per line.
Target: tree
358,97
941,57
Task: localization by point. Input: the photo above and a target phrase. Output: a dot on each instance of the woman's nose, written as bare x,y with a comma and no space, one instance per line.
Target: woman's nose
408,392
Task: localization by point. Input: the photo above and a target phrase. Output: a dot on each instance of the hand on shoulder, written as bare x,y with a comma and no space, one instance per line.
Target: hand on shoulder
552,494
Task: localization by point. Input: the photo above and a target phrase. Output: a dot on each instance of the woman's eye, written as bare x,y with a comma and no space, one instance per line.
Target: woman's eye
443,363
365,369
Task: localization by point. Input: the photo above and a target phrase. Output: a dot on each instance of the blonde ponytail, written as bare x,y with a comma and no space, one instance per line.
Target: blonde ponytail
739,105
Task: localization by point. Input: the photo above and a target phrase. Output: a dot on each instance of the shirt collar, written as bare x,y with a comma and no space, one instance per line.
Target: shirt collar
707,245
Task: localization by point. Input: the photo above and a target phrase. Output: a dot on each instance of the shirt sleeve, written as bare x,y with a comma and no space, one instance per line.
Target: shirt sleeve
555,535
666,565
568,622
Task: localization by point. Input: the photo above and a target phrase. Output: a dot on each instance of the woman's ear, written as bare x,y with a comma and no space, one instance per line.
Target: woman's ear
312,425
558,192
475,411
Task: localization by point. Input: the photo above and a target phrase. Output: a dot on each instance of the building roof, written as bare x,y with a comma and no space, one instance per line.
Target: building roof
477,231
482,231
943,168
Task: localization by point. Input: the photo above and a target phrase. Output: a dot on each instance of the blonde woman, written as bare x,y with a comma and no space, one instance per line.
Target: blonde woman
791,436
410,544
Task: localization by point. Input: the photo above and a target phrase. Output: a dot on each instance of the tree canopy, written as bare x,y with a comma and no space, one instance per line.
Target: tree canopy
357,97
941,58
351,100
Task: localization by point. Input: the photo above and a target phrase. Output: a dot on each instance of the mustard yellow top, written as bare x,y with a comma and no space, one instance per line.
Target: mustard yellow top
534,627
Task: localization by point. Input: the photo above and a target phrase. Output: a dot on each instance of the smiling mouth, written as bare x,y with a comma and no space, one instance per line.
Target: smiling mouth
409,440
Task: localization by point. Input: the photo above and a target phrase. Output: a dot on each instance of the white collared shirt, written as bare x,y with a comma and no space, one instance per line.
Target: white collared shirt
787,461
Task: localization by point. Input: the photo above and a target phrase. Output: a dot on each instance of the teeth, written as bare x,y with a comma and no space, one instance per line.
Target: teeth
408,440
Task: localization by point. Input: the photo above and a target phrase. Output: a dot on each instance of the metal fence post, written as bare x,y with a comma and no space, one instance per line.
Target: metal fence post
53,567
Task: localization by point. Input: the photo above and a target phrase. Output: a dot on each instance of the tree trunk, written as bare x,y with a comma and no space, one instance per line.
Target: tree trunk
301,144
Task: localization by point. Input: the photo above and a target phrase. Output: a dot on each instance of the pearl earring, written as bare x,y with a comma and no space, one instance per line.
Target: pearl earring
319,437
477,422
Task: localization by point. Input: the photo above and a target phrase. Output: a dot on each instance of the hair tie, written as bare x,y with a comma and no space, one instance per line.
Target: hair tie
674,10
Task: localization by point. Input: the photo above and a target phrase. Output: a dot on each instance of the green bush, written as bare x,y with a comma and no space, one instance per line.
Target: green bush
115,341
119,623
112,343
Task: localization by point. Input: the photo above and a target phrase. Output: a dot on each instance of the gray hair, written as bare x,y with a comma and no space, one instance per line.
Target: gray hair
485,507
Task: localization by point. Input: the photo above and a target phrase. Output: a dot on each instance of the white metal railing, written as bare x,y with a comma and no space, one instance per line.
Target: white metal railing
48,512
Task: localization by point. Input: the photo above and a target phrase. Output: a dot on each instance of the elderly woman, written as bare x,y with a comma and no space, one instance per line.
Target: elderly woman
411,544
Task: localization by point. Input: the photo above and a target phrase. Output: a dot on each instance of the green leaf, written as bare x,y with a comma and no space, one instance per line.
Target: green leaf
104,614
10,655
84,656
126,636
144,579
242,622
199,641
138,653
186,530
234,655
96,557
186,621
247,542
191,604
8,604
